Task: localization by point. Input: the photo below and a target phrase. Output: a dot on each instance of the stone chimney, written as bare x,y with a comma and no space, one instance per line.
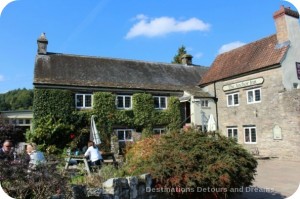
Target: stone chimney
286,21
186,59
42,44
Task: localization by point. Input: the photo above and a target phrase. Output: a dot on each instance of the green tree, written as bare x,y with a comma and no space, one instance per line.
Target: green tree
177,58
19,99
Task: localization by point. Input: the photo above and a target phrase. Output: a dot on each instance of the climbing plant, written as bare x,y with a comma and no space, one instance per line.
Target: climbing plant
55,116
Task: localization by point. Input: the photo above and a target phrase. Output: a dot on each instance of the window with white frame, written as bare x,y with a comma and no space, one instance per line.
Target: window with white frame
254,96
83,100
233,99
232,132
204,103
250,135
160,102
124,102
159,131
124,134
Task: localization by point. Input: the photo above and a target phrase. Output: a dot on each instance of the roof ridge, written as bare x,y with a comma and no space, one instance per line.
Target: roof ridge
123,59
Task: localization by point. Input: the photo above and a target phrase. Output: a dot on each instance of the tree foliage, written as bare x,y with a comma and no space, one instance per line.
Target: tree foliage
192,159
10,132
19,99
177,58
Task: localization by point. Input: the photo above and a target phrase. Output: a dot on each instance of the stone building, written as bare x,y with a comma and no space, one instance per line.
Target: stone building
85,75
258,90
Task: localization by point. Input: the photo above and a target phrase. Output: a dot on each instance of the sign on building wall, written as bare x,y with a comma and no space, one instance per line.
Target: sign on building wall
298,69
243,84
277,135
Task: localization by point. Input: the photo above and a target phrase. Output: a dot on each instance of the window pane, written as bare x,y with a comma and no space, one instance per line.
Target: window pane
236,99
257,95
88,101
79,100
162,102
20,121
27,121
156,131
250,96
121,135
253,135
120,102
127,102
204,103
229,133
247,135
156,102
229,99
128,135
235,134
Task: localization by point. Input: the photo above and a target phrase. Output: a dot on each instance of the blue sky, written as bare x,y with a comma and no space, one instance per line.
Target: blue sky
149,30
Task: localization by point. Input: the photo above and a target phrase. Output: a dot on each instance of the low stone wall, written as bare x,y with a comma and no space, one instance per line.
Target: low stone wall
118,188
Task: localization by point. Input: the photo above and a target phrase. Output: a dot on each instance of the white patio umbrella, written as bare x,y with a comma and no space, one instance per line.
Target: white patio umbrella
211,124
94,133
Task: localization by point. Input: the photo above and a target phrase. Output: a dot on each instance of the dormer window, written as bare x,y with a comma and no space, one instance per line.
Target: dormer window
83,101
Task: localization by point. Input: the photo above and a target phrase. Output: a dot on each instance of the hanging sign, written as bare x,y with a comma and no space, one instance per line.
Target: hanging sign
298,69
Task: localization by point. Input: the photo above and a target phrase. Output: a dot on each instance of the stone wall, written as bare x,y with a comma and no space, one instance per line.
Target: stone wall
278,108
119,188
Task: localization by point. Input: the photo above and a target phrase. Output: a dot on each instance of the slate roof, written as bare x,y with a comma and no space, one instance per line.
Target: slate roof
55,69
254,56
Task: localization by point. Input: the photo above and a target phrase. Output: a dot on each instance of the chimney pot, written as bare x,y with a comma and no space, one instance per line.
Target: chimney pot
186,59
42,44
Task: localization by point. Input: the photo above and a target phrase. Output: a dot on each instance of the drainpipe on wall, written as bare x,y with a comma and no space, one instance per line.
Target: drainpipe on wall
216,101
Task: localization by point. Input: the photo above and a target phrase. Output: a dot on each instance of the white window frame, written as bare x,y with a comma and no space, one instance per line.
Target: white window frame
205,103
124,135
232,95
124,102
161,130
232,129
250,136
254,97
159,102
84,101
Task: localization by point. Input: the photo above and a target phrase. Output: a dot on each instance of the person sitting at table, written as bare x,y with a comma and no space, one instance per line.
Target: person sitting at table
35,157
6,152
93,154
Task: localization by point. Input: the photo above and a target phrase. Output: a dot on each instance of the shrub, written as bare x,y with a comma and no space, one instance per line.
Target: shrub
42,183
191,160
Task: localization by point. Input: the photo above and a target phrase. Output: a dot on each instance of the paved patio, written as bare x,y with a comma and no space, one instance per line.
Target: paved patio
276,179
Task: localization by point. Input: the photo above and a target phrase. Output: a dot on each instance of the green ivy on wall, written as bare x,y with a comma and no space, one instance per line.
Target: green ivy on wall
59,106
58,103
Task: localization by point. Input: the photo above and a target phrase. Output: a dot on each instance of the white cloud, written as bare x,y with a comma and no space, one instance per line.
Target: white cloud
198,55
164,25
1,78
230,46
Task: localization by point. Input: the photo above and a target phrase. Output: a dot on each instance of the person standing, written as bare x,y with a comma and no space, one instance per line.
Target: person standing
6,151
93,154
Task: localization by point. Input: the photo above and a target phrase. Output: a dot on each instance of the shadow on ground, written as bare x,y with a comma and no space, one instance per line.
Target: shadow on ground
258,193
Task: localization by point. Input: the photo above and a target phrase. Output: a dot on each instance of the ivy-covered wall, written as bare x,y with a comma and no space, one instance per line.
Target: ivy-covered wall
55,109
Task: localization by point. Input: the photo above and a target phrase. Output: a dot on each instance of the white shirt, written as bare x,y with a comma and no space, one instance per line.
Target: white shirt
93,154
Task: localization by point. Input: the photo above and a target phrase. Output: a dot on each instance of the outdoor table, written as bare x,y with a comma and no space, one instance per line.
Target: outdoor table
78,158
